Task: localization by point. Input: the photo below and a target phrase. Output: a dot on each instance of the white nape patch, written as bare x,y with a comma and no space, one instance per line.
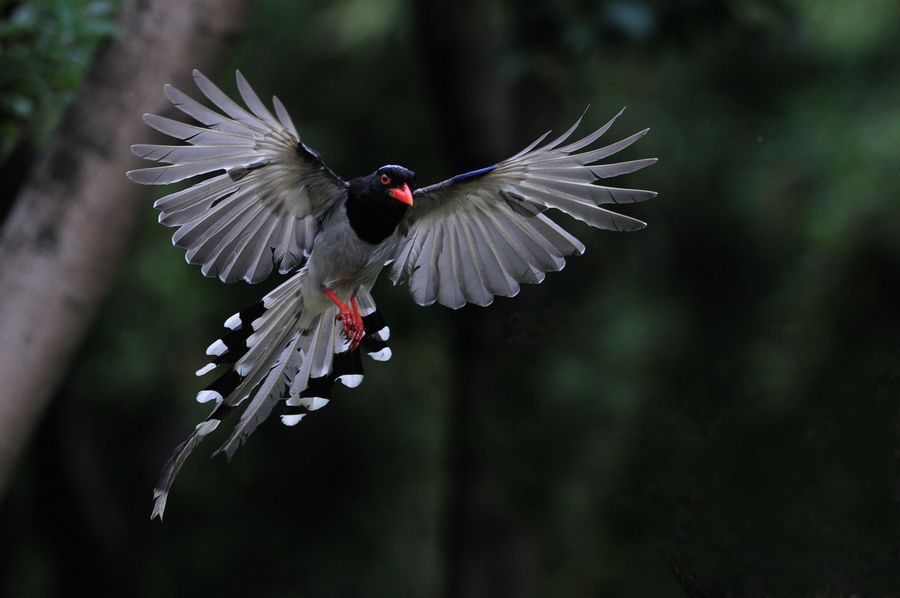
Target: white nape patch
205,369
383,355
384,334
389,262
205,396
351,380
217,348
234,322
292,420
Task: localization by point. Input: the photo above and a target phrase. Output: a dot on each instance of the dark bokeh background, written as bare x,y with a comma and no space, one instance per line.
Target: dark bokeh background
705,408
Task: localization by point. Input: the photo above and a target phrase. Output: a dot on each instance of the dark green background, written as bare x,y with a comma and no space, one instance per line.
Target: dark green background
707,407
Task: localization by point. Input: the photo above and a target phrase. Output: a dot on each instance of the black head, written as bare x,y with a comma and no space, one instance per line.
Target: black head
388,184
376,203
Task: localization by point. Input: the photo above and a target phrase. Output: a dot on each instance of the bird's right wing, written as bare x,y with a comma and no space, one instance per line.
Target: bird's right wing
262,209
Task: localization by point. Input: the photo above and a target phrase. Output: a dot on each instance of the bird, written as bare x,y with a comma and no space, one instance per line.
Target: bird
268,201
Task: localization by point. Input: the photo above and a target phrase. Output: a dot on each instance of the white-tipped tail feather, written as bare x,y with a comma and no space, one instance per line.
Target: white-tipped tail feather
205,396
383,355
234,322
292,420
217,349
283,355
205,369
161,492
351,380
309,403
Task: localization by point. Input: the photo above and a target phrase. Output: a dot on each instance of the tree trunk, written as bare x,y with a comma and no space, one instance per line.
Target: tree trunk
64,238
488,552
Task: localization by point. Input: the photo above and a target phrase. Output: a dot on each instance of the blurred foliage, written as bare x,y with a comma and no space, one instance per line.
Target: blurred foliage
706,407
45,49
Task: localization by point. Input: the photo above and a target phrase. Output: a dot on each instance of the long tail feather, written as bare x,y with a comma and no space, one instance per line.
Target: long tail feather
180,455
269,393
275,352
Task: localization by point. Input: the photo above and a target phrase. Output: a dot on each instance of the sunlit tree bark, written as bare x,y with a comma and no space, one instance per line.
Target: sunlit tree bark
64,238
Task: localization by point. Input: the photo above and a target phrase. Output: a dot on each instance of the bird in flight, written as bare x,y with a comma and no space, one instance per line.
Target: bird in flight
272,202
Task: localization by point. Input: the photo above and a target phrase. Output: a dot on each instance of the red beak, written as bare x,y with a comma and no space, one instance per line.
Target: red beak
402,194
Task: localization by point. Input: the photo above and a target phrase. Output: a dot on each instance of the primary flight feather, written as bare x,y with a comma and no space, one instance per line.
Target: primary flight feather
273,202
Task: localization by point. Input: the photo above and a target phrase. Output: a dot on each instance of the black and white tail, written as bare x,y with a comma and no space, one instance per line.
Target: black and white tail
277,353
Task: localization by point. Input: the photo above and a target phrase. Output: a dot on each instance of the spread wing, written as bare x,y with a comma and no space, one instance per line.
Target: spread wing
261,209
482,233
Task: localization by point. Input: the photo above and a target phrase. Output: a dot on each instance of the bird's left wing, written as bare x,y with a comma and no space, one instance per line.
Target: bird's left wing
262,210
482,233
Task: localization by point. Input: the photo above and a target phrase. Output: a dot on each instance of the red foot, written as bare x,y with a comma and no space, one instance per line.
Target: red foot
354,330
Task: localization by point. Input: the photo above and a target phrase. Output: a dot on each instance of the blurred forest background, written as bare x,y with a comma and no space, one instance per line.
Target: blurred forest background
708,407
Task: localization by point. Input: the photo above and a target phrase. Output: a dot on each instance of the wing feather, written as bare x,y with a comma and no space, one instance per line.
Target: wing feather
251,249
515,255
498,279
253,102
476,277
483,233
283,117
182,207
204,115
226,104
450,288
193,134
591,138
264,209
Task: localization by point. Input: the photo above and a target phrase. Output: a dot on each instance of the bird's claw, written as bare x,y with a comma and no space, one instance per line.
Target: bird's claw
353,327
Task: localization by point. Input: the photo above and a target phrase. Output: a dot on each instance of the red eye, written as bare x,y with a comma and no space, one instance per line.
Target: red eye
385,179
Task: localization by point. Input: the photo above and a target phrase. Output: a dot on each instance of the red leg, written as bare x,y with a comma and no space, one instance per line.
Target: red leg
336,300
361,328
350,318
